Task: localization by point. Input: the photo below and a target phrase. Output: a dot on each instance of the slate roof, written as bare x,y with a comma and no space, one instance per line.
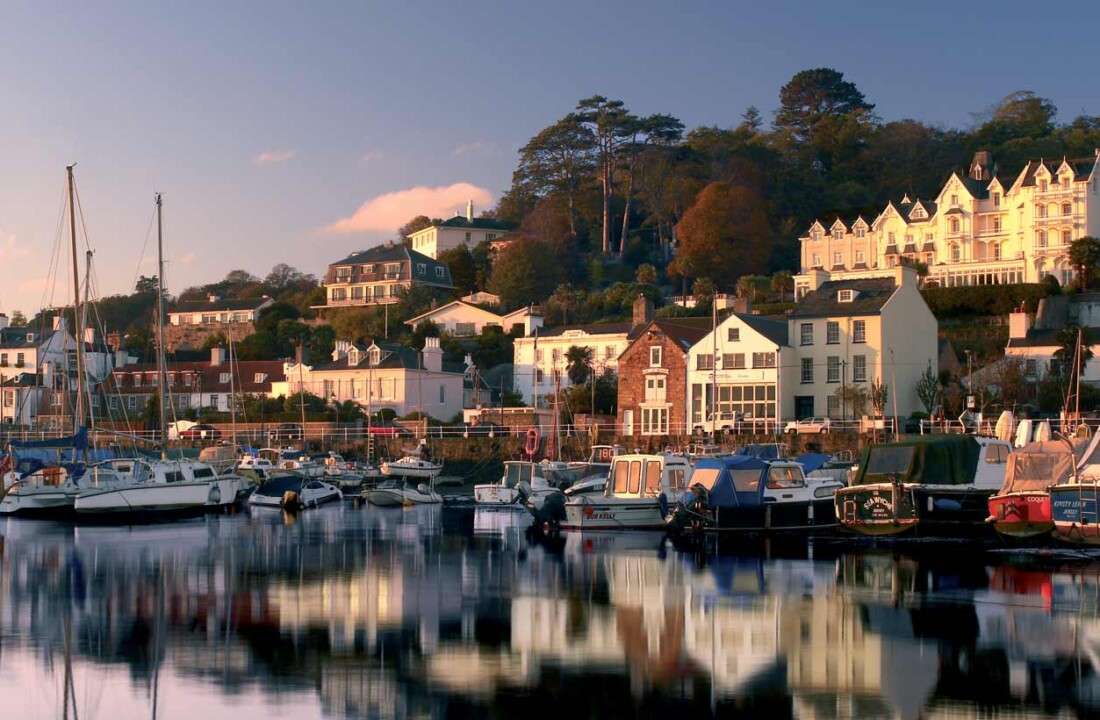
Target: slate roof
376,257
227,304
460,221
872,294
774,330
1049,338
15,338
1082,168
393,357
684,335
21,380
978,188
208,376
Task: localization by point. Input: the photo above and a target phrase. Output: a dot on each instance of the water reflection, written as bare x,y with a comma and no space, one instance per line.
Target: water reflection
437,612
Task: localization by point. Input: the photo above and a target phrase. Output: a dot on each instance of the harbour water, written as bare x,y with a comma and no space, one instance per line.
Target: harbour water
431,612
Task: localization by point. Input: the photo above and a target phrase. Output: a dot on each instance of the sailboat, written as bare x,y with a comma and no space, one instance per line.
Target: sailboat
158,487
50,490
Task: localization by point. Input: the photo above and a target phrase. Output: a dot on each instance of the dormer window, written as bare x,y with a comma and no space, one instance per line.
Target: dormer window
421,268
845,296
30,337
1042,186
375,356
917,213
860,232
838,234
439,271
258,378
223,378
996,199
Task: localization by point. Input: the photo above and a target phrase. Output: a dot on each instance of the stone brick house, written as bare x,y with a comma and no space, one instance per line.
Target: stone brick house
653,376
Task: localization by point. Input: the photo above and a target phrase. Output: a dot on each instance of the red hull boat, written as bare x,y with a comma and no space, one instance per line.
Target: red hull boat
1021,515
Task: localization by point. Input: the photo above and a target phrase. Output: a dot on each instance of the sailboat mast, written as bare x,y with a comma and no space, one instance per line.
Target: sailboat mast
162,369
78,413
233,394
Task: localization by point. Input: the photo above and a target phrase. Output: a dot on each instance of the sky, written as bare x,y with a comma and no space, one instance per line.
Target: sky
298,133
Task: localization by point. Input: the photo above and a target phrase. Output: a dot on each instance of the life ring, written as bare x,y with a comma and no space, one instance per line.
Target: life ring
532,444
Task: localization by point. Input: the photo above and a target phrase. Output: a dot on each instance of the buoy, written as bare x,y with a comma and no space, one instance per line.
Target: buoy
532,444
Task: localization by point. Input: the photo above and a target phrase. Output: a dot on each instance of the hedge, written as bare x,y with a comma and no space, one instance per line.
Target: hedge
977,300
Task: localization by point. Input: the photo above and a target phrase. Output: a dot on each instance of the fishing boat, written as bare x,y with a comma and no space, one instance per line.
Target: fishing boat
741,493
640,491
398,492
1021,510
937,483
519,481
1075,503
294,491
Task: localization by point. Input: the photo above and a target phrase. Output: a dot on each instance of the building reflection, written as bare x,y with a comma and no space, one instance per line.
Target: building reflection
429,612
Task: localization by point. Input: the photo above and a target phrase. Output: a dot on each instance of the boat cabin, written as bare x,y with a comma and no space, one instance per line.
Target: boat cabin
745,481
936,460
645,476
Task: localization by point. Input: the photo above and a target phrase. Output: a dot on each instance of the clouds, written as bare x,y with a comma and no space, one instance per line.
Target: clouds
372,155
10,248
390,211
187,259
477,147
272,157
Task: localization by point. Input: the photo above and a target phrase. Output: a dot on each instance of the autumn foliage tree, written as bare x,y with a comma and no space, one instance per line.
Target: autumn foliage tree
723,235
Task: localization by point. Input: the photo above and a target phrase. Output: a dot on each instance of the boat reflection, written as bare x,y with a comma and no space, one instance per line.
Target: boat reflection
433,612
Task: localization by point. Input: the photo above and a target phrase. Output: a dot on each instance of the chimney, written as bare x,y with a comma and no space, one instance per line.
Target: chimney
643,310
432,355
905,275
89,336
1019,322
121,358
212,298
217,356
470,210
3,321
818,277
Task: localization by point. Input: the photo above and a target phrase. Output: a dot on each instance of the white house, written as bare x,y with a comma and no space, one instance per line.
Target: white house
1034,338
743,370
981,228
463,319
858,331
465,230
216,310
382,376
38,370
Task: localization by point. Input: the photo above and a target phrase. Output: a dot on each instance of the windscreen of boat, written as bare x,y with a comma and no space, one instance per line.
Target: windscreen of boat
745,481
276,487
203,472
626,477
652,477
517,472
890,460
785,477
705,477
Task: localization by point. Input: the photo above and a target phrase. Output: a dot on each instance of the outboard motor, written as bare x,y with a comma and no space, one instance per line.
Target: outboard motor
423,489
292,503
548,509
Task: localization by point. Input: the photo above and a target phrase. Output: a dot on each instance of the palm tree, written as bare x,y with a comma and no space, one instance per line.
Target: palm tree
747,285
578,364
782,281
1084,253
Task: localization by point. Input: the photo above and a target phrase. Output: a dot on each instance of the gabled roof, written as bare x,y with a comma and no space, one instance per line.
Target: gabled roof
682,333
871,295
21,380
227,304
412,322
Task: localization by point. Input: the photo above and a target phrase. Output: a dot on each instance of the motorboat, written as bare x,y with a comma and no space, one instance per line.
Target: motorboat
835,466
520,480
1075,503
412,466
342,473
640,491
1021,509
941,483
156,487
398,492
742,493
297,491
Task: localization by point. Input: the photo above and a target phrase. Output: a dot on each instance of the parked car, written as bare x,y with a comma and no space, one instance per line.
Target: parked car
724,422
808,425
201,432
914,426
287,431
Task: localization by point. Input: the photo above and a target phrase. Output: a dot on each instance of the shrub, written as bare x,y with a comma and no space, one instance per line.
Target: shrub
949,302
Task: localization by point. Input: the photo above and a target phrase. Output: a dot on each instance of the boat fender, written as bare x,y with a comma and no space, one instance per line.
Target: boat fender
532,445
291,501
662,500
214,497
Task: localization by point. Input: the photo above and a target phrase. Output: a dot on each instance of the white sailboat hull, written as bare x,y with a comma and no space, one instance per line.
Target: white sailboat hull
495,494
162,497
396,497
